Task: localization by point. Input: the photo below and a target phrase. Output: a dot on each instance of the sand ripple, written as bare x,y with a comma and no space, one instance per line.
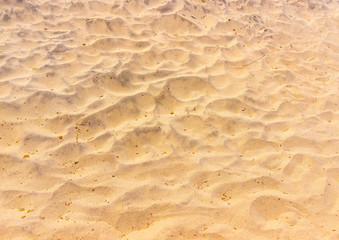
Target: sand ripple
144,119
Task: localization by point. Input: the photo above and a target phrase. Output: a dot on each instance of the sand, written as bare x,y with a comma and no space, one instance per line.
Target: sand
181,119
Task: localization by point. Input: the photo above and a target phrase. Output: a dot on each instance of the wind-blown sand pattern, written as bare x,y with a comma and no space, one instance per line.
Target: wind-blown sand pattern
181,119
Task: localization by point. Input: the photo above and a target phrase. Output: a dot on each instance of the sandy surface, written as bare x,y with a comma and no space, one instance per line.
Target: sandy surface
154,119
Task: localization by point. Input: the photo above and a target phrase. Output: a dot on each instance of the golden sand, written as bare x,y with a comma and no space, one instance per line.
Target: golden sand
158,120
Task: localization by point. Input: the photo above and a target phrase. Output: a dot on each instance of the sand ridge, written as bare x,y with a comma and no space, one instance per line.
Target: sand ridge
152,119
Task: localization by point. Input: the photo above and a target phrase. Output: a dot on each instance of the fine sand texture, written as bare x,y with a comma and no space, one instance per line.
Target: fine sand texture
169,119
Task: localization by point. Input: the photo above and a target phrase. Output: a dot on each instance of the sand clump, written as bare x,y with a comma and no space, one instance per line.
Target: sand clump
169,119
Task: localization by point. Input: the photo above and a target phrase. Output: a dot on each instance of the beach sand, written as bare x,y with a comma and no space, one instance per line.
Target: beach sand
159,120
